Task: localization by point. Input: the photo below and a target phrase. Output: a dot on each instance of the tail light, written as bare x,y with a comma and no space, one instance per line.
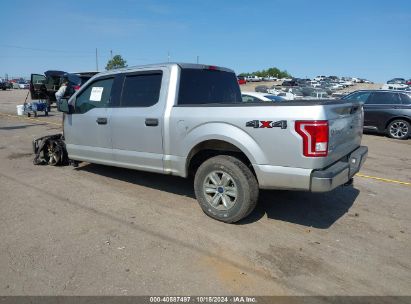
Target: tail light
76,87
315,137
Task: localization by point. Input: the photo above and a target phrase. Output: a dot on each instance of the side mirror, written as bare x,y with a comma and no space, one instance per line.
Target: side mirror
63,106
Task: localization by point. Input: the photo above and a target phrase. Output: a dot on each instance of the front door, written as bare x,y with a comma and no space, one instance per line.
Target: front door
87,131
137,124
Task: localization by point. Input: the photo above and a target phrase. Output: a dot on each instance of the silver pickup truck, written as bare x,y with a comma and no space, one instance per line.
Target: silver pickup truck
189,120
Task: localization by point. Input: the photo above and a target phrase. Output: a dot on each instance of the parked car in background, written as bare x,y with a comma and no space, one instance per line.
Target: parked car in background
3,85
319,78
385,111
260,97
289,83
23,85
283,94
241,80
395,86
261,88
45,86
253,78
396,81
270,78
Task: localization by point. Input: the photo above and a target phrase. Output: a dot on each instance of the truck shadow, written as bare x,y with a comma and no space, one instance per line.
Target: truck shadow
318,210
167,183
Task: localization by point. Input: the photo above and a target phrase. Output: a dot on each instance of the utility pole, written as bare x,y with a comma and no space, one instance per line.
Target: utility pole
96,60
168,56
111,54
198,59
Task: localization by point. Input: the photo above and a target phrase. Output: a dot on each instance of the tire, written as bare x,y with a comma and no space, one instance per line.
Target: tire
226,189
53,154
399,129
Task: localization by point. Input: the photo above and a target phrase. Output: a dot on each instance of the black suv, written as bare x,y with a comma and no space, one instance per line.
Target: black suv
3,85
45,86
385,111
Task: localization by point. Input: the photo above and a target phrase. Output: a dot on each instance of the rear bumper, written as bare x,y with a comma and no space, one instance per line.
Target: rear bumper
323,180
339,173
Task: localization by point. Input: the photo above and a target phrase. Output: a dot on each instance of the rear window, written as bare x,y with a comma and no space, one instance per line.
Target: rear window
199,86
406,99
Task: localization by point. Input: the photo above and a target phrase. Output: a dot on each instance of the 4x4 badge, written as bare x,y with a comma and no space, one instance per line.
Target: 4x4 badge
267,124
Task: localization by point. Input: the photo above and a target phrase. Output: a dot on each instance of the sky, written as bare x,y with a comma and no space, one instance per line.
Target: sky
367,39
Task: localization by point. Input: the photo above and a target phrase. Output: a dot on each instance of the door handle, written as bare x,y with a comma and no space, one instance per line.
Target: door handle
151,122
101,120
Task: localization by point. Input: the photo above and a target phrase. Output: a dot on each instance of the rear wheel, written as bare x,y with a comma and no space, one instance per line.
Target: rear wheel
399,129
226,189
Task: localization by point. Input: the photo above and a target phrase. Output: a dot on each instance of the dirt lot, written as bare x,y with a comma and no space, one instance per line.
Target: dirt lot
96,230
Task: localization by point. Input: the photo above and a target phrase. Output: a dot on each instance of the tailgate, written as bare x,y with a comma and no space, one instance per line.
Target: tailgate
345,128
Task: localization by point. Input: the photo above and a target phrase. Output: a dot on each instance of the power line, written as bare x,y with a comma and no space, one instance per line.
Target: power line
37,49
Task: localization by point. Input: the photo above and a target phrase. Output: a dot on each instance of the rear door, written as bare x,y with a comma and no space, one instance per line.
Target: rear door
137,124
377,109
37,86
87,131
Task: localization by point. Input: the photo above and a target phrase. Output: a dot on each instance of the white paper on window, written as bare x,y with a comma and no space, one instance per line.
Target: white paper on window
96,93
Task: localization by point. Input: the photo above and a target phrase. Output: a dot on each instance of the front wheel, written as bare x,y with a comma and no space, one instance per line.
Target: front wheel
399,129
225,188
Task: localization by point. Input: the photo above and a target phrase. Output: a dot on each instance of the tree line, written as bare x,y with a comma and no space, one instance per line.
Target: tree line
274,72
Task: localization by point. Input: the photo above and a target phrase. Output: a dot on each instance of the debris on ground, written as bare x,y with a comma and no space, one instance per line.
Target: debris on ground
50,150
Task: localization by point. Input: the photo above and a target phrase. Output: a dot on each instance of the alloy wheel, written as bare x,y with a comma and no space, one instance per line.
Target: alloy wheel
220,190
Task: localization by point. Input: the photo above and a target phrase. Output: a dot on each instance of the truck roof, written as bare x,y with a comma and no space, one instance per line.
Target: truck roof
166,64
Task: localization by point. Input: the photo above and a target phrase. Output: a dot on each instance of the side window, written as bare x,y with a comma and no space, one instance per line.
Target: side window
96,95
141,90
360,96
406,99
384,98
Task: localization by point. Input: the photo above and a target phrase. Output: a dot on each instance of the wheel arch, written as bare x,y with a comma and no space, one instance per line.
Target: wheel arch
408,119
213,147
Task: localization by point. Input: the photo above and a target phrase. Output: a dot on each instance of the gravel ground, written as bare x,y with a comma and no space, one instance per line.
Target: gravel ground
98,230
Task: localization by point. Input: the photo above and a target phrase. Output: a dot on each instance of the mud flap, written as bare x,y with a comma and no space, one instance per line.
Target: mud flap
50,150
